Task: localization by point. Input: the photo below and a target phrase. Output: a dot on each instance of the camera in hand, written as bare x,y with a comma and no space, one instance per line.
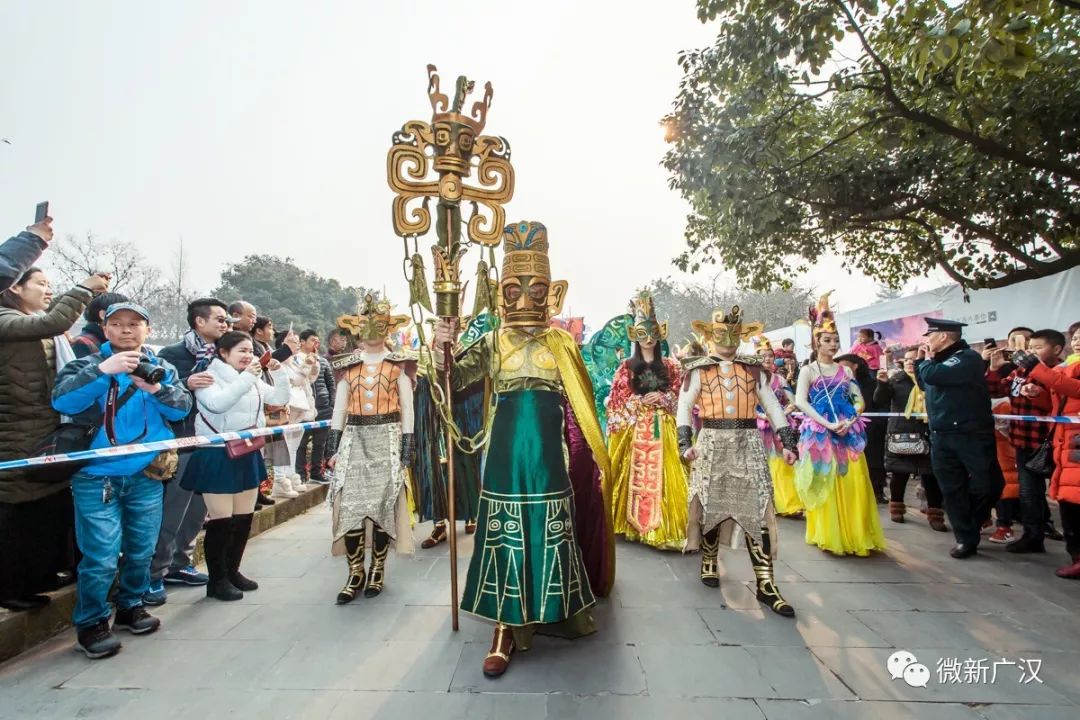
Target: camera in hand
148,371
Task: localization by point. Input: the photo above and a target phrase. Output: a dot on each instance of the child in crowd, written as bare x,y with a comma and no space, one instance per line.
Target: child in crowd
869,348
1007,510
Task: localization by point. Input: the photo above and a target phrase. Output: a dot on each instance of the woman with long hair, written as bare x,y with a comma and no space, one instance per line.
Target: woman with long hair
785,498
36,512
228,481
831,474
649,479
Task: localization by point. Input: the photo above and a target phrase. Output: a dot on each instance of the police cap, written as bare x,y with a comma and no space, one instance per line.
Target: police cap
934,325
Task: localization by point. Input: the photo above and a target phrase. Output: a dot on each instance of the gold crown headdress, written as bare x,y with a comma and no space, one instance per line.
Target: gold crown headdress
645,324
727,329
762,344
372,320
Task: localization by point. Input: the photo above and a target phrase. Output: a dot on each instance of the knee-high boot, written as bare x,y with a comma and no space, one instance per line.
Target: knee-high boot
710,549
381,546
215,548
767,592
238,537
354,553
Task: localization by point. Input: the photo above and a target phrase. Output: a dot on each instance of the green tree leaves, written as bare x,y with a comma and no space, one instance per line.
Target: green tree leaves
899,135
287,294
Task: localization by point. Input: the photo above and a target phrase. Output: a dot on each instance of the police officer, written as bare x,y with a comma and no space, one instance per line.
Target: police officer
962,448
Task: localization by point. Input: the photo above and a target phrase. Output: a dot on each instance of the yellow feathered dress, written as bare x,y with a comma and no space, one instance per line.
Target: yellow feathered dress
786,499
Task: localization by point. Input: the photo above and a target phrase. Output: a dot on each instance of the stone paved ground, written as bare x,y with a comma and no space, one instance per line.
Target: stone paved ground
667,648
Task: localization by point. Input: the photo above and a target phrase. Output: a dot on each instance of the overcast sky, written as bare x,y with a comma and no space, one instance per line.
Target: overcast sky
263,126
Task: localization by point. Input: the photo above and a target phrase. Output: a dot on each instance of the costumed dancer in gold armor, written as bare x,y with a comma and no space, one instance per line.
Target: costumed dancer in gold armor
372,441
729,479
543,545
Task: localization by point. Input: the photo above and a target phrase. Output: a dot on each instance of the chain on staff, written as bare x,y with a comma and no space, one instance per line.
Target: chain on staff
433,160
468,444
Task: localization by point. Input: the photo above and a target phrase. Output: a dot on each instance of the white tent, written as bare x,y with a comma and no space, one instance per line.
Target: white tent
1050,302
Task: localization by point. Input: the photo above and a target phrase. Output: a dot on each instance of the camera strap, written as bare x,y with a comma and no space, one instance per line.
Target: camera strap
113,405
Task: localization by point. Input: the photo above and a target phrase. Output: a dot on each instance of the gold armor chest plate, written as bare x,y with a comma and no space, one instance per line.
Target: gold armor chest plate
373,388
728,391
521,355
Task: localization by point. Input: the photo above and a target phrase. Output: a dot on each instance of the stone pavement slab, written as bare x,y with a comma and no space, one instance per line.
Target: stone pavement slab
667,646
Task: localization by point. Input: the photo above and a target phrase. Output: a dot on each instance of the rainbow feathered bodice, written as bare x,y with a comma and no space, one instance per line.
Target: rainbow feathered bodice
823,454
832,398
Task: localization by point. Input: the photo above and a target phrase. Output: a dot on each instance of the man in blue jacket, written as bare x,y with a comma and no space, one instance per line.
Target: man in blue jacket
117,507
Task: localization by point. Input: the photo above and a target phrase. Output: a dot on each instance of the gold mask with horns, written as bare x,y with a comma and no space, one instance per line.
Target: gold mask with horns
527,295
727,329
372,321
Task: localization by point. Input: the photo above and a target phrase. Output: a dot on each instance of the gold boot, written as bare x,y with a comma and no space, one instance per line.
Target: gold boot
502,647
379,550
710,548
767,592
354,553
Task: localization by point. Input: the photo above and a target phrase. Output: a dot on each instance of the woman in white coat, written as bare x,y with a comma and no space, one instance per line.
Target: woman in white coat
228,479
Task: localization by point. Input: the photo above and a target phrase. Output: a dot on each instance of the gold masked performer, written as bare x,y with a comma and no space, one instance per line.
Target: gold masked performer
543,547
372,432
648,476
729,480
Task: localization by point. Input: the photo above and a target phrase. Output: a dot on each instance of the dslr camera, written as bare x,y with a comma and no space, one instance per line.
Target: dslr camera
148,371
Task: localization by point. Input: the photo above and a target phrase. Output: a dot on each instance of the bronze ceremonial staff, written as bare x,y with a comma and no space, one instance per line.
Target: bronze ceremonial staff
432,160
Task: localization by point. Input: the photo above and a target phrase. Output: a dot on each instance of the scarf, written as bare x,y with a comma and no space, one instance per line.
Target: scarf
916,400
202,351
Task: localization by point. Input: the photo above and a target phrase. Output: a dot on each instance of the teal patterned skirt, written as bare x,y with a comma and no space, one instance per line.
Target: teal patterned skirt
526,566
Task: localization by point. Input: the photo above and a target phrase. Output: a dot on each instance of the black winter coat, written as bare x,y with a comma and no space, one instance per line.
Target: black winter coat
957,399
27,377
324,389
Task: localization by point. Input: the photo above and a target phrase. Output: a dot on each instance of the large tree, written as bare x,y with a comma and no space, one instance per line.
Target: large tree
681,303
899,135
286,293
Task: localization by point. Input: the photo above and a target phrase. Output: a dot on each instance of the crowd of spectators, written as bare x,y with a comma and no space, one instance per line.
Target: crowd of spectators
124,527
994,477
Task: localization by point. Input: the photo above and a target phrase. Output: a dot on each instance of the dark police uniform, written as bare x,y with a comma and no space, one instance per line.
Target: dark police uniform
963,450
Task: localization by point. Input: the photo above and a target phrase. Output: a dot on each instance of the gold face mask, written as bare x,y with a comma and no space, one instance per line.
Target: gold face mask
727,330
373,321
527,295
645,325
453,140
